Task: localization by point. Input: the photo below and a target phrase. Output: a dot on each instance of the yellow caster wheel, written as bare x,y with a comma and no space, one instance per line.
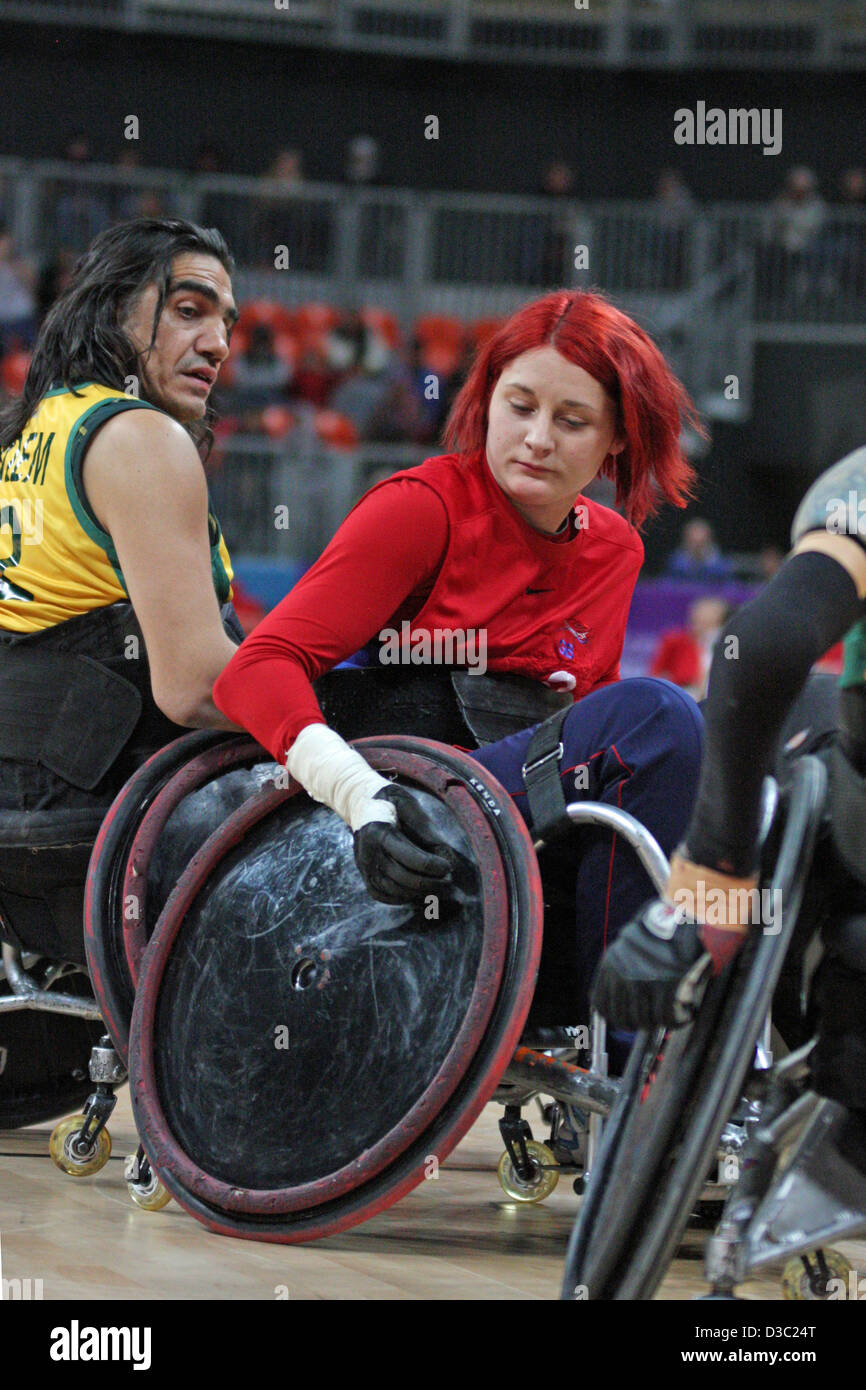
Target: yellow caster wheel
796,1283
151,1195
65,1152
541,1184
147,1192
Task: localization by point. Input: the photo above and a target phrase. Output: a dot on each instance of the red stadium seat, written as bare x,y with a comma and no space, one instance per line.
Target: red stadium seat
442,341
265,311
287,347
277,421
13,372
313,321
381,322
440,328
335,430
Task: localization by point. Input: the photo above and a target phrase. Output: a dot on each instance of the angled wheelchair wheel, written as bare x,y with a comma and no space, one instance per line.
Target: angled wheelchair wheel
302,1056
678,1092
128,878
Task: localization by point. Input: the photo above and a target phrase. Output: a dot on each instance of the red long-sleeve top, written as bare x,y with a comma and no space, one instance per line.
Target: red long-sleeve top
441,547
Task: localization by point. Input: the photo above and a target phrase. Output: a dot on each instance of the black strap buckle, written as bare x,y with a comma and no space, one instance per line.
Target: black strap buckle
529,768
543,780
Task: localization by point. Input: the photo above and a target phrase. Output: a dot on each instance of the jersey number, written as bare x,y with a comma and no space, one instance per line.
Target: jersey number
9,518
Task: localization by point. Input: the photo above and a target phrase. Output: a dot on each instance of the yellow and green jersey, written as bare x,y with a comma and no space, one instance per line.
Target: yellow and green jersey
56,561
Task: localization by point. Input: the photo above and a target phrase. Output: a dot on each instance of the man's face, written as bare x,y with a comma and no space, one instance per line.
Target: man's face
192,338
550,427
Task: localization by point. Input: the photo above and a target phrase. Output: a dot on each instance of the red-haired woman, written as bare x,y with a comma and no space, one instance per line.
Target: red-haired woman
496,539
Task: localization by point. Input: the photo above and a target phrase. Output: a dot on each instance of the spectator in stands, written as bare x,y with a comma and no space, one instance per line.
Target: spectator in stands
362,161
17,300
547,239
850,236
674,208
684,655
798,215
286,169
381,226
430,394
126,198
283,218
208,159
135,200
852,188
770,561
260,377
81,210
399,415
352,345
54,275
698,556
314,379
673,198
799,211
360,360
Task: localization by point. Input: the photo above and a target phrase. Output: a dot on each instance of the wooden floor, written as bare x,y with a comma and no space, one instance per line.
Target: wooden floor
456,1237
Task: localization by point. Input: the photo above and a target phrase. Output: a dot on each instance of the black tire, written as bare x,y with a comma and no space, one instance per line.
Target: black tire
103,907
266,1180
659,1143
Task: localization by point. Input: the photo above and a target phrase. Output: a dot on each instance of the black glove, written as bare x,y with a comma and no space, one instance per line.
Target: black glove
655,973
396,861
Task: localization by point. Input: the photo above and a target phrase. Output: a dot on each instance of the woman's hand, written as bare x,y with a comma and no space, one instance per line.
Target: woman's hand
402,863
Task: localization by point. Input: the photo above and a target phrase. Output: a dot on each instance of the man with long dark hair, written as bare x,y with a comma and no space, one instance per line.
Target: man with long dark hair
113,569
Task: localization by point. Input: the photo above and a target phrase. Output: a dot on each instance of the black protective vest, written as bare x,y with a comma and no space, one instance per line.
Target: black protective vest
76,706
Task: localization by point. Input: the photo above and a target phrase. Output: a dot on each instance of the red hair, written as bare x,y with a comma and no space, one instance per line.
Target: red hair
650,403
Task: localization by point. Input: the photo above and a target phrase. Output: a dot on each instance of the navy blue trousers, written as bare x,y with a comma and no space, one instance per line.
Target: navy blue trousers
639,742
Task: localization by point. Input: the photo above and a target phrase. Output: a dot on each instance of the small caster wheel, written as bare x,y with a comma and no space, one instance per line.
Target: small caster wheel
811,1285
69,1157
150,1195
143,1185
544,1178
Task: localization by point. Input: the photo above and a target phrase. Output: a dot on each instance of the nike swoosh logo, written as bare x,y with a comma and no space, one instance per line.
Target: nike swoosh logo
539,591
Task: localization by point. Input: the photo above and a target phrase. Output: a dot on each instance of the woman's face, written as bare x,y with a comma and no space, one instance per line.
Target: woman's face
550,427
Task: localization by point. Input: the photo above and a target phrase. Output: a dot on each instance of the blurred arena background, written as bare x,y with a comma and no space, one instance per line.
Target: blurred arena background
393,176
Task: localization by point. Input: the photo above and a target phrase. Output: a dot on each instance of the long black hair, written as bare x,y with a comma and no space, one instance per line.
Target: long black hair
82,339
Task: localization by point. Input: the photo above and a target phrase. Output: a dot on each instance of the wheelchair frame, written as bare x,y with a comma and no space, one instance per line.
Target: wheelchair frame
621,1245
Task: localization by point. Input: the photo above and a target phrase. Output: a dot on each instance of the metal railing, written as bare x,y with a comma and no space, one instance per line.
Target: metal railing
285,499
704,281
601,33
473,252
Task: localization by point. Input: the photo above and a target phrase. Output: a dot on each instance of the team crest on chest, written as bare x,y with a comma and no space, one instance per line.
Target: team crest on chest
576,633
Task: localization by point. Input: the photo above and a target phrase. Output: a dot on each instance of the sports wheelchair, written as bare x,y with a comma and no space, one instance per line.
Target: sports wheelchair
369,1038
791,1190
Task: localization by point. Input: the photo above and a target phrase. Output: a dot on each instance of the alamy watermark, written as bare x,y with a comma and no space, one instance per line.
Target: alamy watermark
23,519
847,516
443,646
725,907
21,1290
77,1343
737,126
